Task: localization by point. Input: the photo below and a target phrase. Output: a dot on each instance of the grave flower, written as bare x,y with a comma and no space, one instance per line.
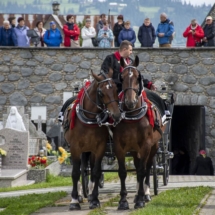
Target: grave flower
37,162
3,152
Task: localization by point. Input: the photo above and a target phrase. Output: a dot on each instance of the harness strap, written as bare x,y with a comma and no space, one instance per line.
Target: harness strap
156,125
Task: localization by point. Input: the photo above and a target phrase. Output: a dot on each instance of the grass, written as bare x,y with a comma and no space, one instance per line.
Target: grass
25,205
181,201
111,176
51,181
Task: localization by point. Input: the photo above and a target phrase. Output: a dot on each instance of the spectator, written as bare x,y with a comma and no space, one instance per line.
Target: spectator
105,36
71,32
165,31
209,32
100,24
7,35
146,34
21,33
127,34
203,165
52,37
194,34
88,32
40,31
12,21
117,28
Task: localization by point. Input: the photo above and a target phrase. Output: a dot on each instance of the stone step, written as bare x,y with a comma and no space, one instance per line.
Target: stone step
14,177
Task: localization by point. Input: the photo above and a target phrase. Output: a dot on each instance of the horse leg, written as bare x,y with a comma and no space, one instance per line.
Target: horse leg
148,170
94,203
136,164
92,180
141,172
75,178
123,203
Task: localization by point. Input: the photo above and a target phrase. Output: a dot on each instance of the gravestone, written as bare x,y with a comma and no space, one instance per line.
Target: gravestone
33,146
15,143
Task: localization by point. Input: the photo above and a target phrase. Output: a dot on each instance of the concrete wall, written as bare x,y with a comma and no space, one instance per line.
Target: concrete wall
38,77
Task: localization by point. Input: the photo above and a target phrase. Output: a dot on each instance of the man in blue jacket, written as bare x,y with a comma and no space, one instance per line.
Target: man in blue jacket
165,31
52,37
7,35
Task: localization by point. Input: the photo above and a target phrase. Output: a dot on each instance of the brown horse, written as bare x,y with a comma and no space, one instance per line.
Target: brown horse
100,99
134,134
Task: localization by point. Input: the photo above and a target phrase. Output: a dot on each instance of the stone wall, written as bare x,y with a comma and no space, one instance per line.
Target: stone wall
38,77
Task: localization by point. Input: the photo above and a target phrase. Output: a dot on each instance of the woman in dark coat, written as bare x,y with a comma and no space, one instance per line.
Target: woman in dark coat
209,31
146,34
117,28
203,165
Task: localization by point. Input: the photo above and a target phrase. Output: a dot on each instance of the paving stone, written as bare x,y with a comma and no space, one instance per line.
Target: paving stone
207,80
180,87
211,91
6,58
212,103
140,67
180,69
103,54
75,59
7,87
151,67
62,59
213,69
26,71
69,77
202,100
17,99
15,69
197,89
3,100
208,61
192,60
57,67
55,76
184,54
200,70
39,58
2,78
18,62
4,69
48,61
89,55
167,53
53,99
13,77
23,84
82,74
206,55
35,79
70,68
85,65
144,57
51,53
165,67
26,54
189,79
31,63
60,86
41,71
194,99
28,92
171,78
44,88
36,99
187,99
174,60
179,99
158,60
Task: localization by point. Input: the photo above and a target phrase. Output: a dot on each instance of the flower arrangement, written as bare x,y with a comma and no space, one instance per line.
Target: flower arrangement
3,152
62,155
38,162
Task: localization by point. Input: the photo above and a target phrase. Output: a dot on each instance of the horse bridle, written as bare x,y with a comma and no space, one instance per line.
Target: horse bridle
137,91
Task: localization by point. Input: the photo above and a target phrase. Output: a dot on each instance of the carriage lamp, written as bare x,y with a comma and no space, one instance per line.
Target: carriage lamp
75,88
55,7
164,89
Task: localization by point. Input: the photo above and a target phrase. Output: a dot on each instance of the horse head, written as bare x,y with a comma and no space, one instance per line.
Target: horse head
107,95
131,83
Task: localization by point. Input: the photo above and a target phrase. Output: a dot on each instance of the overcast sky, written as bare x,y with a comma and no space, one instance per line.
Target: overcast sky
199,2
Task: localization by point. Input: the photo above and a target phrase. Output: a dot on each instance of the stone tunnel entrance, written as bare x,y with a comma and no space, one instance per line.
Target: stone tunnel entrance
187,137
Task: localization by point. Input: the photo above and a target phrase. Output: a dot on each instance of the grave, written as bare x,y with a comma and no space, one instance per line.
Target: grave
15,163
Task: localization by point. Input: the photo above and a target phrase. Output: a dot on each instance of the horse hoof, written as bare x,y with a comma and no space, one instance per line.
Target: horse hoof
80,199
74,207
147,198
90,198
123,205
94,204
135,199
139,205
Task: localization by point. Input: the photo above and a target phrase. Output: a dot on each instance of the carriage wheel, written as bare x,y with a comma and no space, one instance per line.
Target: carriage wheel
84,176
155,176
166,172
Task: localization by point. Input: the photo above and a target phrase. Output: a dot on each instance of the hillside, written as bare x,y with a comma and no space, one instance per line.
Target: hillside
133,10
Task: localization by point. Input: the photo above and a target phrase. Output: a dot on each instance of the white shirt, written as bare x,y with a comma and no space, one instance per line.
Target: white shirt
87,34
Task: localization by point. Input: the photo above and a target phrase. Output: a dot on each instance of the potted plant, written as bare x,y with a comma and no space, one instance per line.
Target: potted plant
51,153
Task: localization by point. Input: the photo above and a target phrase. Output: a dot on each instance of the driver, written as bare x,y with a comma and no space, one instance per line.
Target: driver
113,61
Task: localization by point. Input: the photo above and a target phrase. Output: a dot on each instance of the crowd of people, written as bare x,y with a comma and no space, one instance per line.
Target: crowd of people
103,36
